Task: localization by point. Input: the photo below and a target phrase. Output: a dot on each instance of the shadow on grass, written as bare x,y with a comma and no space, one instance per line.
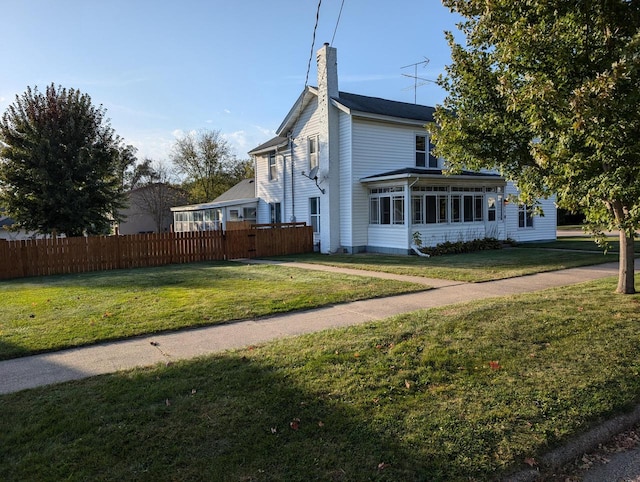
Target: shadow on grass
223,418
17,374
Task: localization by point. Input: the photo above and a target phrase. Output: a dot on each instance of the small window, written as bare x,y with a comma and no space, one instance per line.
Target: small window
314,213
233,215
276,215
424,158
249,214
421,151
273,173
313,151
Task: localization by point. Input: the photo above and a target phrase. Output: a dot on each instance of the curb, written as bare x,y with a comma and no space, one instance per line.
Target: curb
578,446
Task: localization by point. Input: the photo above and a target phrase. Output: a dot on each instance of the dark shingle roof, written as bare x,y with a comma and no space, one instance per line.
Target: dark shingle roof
430,172
271,143
392,108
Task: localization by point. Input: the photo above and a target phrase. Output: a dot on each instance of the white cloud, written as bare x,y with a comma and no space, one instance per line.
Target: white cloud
227,111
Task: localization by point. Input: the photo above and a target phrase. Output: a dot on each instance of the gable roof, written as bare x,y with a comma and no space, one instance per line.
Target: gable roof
352,104
362,104
245,189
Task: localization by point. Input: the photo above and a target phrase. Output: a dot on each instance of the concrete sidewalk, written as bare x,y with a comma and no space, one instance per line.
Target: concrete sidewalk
29,372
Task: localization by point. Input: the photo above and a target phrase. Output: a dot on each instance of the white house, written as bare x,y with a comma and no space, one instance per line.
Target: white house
359,170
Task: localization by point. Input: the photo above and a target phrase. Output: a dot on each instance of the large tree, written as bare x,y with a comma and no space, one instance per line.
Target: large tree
205,159
61,163
548,93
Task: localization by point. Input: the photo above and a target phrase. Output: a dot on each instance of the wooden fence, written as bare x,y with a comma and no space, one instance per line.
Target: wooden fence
40,257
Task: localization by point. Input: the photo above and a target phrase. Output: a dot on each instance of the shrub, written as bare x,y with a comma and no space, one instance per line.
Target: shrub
458,247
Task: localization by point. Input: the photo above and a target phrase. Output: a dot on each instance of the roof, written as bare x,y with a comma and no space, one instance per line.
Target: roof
245,189
353,104
429,173
242,193
270,145
384,107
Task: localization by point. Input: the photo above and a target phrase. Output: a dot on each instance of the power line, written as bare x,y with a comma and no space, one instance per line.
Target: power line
313,44
337,22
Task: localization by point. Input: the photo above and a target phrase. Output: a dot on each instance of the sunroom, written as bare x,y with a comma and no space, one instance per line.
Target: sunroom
428,207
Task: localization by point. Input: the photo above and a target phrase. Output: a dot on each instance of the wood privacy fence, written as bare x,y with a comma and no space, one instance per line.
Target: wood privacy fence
40,257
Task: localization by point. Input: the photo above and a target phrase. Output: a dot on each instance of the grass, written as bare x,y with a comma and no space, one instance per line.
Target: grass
465,392
584,243
50,313
470,267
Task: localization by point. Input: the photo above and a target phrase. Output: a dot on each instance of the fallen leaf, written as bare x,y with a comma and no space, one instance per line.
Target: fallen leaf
530,461
494,365
320,423
382,466
167,402
193,391
407,383
274,429
295,424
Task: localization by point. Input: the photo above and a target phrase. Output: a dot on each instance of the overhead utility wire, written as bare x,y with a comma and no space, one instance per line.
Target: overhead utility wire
337,22
313,44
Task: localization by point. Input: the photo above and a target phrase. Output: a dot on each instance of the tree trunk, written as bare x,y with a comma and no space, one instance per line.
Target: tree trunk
626,274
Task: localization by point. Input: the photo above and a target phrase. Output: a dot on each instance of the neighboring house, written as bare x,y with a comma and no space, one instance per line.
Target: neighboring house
6,223
149,209
359,170
237,204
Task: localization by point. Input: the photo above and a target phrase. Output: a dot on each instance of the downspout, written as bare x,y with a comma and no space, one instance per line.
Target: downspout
284,185
293,197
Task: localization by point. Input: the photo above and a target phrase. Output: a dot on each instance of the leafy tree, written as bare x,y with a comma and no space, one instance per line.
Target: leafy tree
548,93
61,163
206,161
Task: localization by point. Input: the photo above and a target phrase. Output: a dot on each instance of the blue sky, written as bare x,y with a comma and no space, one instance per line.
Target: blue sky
162,68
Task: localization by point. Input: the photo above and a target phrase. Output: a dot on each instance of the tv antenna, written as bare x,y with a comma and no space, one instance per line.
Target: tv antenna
417,81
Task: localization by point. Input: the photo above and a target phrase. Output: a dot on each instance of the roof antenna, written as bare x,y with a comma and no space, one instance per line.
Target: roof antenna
415,78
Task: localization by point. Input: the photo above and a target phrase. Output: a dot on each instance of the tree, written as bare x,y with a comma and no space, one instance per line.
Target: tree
61,163
203,158
547,92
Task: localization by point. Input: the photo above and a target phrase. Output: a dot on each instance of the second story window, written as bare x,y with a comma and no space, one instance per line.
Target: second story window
273,173
424,158
313,151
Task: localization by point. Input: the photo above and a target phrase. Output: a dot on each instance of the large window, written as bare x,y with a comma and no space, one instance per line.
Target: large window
273,170
314,213
452,204
386,205
424,158
525,216
312,148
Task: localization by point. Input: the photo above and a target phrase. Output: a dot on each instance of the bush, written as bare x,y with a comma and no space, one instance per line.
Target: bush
459,247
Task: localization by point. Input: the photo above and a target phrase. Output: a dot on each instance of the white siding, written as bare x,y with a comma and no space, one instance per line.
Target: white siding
544,227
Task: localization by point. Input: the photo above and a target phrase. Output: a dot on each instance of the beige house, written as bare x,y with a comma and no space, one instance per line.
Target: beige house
149,209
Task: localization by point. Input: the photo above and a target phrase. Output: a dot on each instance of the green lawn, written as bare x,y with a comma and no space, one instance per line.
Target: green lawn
459,393
584,243
471,267
50,313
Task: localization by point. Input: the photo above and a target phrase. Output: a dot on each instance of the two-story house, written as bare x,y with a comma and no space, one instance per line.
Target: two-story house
359,170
